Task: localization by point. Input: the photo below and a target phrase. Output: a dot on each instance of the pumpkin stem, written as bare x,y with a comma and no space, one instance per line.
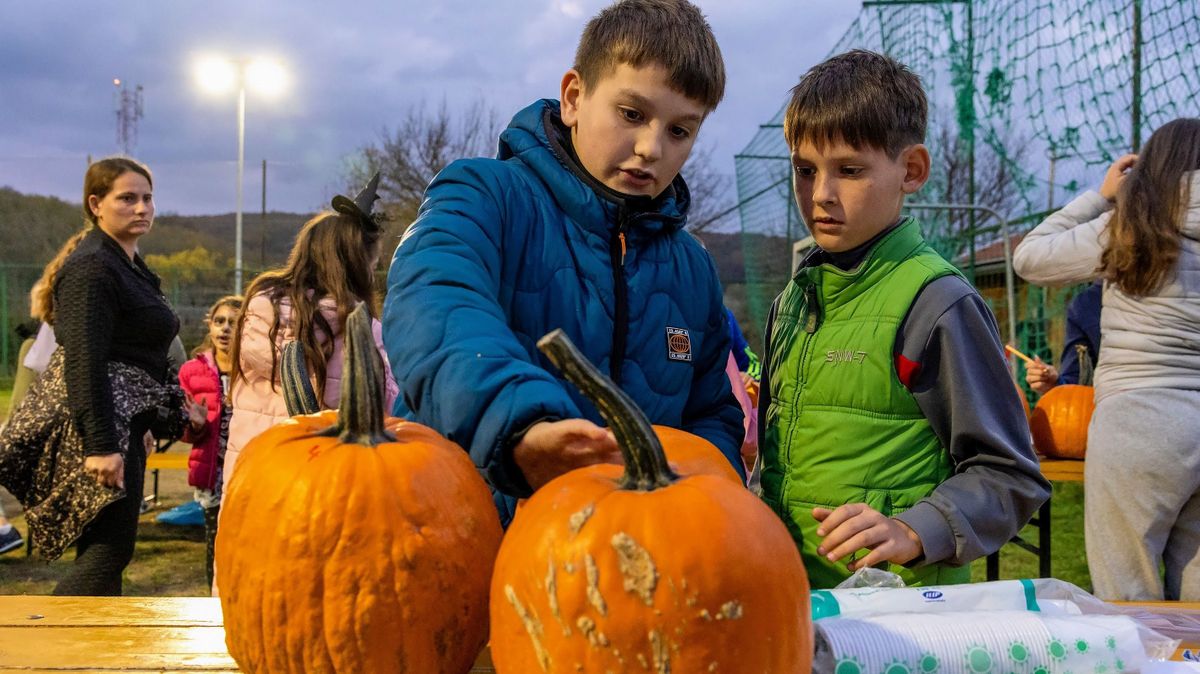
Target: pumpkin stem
360,411
646,466
1085,365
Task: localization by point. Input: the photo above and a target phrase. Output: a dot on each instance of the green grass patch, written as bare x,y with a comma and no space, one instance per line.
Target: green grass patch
1068,560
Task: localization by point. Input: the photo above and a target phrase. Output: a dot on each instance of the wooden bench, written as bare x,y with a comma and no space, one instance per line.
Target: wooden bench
119,634
163,461
1055,470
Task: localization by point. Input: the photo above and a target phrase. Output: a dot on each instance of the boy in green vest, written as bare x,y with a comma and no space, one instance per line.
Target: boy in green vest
891,432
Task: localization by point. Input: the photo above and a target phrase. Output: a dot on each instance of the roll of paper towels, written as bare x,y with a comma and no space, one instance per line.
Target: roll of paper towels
994,642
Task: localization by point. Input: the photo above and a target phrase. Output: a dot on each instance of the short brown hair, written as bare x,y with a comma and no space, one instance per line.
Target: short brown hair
860,98
670,33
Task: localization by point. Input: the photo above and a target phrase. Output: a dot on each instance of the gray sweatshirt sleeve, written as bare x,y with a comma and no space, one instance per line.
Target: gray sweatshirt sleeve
1066,247
964,389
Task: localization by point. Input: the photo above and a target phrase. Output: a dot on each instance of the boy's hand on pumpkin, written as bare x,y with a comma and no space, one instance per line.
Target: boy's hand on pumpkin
552,448
856,526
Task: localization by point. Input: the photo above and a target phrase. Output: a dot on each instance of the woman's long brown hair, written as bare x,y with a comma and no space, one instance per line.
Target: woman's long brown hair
98,182
331,259
1143,241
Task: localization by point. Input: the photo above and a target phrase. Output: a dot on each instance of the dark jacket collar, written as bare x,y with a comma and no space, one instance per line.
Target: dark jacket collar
538,138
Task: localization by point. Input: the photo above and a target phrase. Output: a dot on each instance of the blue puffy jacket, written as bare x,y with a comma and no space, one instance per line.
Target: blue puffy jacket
505,250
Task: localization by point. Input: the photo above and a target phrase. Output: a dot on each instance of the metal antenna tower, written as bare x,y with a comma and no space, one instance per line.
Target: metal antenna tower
128,106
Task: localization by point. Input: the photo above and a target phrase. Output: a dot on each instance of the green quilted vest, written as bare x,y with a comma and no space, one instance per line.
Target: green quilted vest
841,427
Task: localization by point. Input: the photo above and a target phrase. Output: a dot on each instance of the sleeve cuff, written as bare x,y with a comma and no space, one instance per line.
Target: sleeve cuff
504,473
937,539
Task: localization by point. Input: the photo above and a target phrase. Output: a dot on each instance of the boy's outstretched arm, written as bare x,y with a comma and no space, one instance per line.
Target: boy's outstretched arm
963,387
461,370
712,412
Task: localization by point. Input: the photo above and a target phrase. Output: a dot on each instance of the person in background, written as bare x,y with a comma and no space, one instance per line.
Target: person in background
328,273
103,391
1140,233
205,381
1083,329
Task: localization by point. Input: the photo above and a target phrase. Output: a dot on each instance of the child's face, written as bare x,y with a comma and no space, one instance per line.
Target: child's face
631,130
847,196
220,328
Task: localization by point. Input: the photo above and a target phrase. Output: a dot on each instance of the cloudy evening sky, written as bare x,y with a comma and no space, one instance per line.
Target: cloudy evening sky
355,69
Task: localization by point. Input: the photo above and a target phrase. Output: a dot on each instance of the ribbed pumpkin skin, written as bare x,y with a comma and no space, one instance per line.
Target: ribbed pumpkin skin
693,455
348,558
730,593
1060,421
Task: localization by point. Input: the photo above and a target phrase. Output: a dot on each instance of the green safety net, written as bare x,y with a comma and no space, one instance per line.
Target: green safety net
1030,100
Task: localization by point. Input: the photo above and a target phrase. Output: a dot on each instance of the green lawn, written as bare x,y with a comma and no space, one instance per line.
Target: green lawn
168,560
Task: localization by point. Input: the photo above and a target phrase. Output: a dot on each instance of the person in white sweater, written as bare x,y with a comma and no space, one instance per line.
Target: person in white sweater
1140,234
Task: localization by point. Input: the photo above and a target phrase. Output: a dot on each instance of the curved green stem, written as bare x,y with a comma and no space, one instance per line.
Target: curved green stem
361,411
1085,365
646,466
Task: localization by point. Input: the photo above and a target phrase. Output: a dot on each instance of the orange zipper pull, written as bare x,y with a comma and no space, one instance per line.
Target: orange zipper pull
622,248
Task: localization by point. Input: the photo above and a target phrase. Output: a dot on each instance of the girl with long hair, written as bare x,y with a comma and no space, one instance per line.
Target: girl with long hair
1140,234
85,423
328,273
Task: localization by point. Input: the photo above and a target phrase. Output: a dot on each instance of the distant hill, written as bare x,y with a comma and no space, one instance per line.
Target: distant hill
32,227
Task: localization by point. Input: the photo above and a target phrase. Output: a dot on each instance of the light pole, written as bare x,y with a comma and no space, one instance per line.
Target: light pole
219,75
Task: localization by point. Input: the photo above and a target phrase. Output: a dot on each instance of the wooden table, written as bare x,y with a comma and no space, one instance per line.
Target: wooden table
141,635
1055,470
118,634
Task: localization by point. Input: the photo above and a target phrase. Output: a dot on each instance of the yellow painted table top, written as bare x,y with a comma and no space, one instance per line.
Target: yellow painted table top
167,461
118,634
1062,470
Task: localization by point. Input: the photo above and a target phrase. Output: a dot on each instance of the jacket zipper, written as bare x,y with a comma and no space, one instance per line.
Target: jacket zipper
621,296
812,309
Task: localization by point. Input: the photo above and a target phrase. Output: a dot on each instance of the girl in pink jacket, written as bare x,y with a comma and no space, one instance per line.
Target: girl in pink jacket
328,273
205,381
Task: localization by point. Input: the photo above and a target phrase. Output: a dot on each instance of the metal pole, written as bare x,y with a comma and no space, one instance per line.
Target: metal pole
1136,107
1050,196
1009,291
262,233
241,141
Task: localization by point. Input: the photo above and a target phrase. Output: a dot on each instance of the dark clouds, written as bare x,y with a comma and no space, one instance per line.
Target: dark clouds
356,68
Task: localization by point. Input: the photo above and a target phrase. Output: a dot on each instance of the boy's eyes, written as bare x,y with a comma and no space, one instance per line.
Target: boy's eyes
680,132
630,114
809,171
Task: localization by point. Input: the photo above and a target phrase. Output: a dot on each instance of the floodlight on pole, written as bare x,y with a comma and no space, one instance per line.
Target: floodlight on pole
217,75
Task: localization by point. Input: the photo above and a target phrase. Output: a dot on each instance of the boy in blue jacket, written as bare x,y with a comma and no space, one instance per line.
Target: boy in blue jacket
577,224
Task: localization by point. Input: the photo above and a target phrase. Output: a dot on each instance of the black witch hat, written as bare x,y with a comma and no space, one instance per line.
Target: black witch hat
362,204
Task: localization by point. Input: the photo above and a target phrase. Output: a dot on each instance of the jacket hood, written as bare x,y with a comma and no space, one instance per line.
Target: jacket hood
537,138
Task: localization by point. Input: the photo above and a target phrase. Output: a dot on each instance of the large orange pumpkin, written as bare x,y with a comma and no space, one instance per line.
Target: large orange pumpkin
1060,419
354,543
634,568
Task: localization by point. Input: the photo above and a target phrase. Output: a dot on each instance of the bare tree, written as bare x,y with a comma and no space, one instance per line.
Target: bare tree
712,194
1000,179
409,156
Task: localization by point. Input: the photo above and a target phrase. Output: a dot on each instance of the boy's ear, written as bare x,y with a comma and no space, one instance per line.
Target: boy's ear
916,163
570,91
